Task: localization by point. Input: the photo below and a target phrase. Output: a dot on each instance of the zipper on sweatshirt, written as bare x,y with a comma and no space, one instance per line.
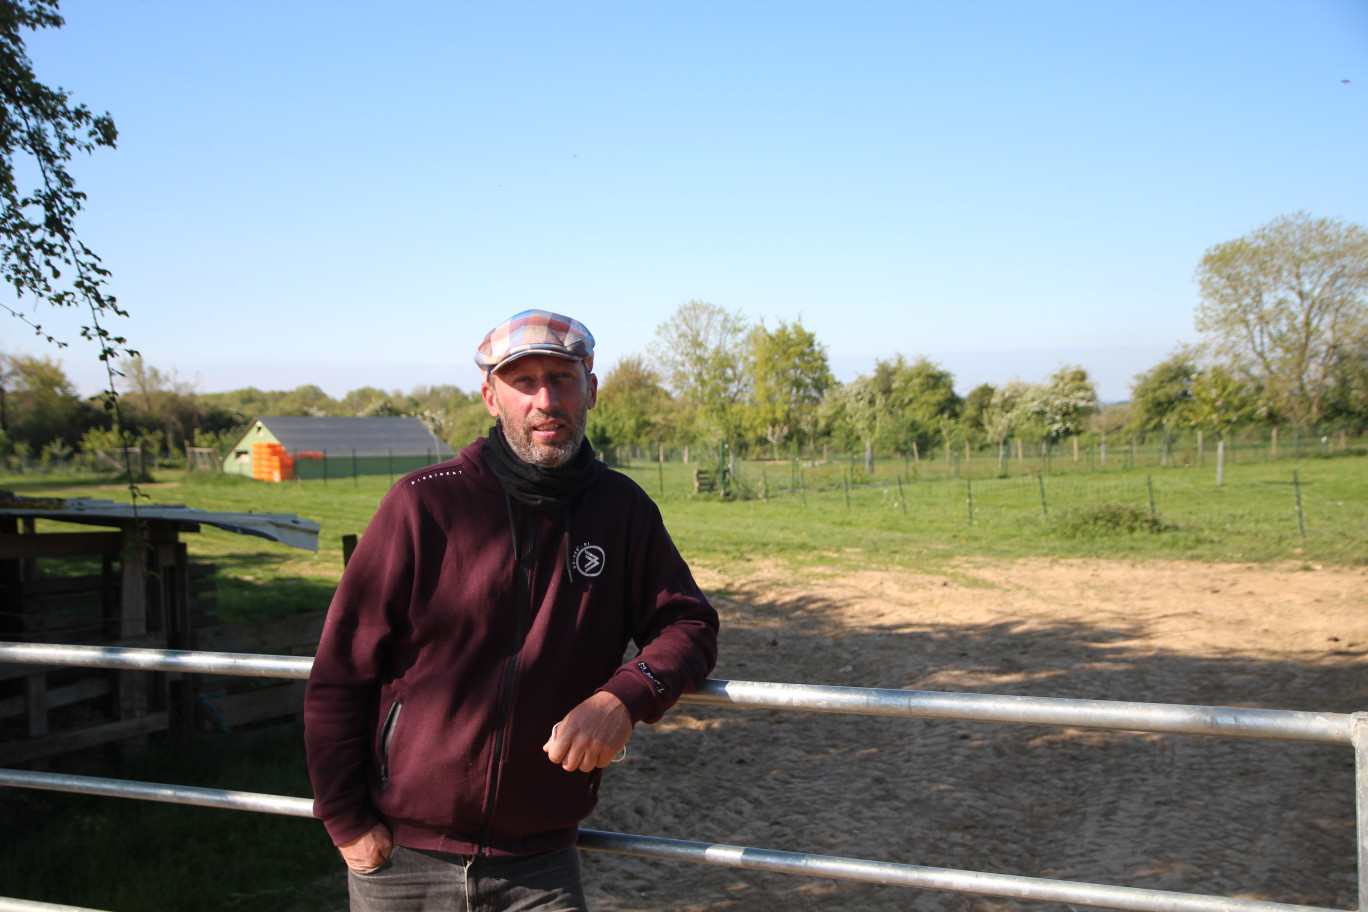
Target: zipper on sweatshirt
523,601
387,739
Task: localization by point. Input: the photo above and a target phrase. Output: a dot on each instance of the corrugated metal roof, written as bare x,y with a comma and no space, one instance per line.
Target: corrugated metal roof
367,436
285,528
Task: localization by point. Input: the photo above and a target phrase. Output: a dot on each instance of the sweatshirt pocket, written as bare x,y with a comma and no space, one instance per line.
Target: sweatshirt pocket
386,743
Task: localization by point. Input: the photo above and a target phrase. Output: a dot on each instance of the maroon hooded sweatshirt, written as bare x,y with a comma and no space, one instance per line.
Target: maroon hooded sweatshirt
447,656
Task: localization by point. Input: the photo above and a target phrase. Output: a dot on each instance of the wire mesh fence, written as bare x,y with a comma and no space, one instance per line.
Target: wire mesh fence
1277,503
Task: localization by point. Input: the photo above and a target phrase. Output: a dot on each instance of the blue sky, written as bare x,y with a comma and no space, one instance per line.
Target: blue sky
352,194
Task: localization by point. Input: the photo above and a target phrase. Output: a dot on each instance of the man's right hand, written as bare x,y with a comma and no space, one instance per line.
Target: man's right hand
369,850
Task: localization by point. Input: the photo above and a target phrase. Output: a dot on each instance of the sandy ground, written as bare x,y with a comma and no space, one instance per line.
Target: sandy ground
1220,816
1228,817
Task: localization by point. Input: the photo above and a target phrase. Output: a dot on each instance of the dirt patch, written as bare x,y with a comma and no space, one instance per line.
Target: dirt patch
1254,819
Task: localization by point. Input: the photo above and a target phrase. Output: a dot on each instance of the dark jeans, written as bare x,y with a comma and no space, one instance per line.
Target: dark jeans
416,881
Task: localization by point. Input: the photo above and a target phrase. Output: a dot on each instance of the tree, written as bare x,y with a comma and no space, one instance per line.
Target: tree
860,410
363,401
633,408
1348,399
466,420
155,401
1161,395
918,397
1062,404
41,405
1005,415
701,354
308,399
790,375
1280,303
38,240
1220,401
974,411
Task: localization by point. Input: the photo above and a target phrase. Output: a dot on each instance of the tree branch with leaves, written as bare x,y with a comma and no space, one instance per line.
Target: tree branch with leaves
1279,305
42,257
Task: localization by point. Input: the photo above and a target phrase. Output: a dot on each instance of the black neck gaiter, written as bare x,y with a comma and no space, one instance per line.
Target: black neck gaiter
538,486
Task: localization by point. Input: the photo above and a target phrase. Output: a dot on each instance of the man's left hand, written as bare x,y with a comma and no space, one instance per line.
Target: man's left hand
591,734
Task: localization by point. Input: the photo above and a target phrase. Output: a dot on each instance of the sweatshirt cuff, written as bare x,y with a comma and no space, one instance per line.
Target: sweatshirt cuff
636,693
348,827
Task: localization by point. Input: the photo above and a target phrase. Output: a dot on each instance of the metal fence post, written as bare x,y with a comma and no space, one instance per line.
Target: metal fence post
1358,731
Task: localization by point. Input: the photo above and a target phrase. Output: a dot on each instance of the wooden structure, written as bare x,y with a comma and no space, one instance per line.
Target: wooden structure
132,585
231,703
705,481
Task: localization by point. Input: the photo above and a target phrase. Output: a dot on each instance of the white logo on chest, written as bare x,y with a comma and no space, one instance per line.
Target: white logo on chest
588,560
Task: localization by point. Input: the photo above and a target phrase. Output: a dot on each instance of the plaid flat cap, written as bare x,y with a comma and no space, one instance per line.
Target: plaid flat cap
535,332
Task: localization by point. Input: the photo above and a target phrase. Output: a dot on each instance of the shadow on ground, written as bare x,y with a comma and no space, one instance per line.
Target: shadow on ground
1215,816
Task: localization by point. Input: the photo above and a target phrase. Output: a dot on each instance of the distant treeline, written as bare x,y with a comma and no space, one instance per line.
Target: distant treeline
1283,314
779,405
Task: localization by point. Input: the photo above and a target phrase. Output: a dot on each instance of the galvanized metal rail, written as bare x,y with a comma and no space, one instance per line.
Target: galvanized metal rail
1277,725
29,905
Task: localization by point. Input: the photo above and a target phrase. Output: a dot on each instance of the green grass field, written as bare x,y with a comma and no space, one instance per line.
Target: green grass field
829,514
134,855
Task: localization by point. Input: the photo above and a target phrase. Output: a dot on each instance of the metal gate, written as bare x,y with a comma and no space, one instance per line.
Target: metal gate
1348,730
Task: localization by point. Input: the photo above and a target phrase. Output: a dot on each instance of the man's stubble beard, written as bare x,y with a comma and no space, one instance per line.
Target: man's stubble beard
547,456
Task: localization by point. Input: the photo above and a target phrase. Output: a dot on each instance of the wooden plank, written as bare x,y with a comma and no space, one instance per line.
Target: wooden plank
59,544
267,637
36,704
80,691
256,705
50,587
22,751
133,586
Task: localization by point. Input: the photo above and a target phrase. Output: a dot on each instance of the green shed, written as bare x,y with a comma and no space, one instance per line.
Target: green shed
303,447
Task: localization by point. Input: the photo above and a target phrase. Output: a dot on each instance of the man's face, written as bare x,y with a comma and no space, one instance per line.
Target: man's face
543,403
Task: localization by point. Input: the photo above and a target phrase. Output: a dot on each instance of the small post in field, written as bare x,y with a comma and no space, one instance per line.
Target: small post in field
1301,517
1044,507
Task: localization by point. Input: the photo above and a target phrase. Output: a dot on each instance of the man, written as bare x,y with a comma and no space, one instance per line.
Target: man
470,684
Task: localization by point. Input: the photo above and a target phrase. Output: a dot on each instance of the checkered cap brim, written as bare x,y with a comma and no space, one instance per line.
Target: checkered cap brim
535,332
